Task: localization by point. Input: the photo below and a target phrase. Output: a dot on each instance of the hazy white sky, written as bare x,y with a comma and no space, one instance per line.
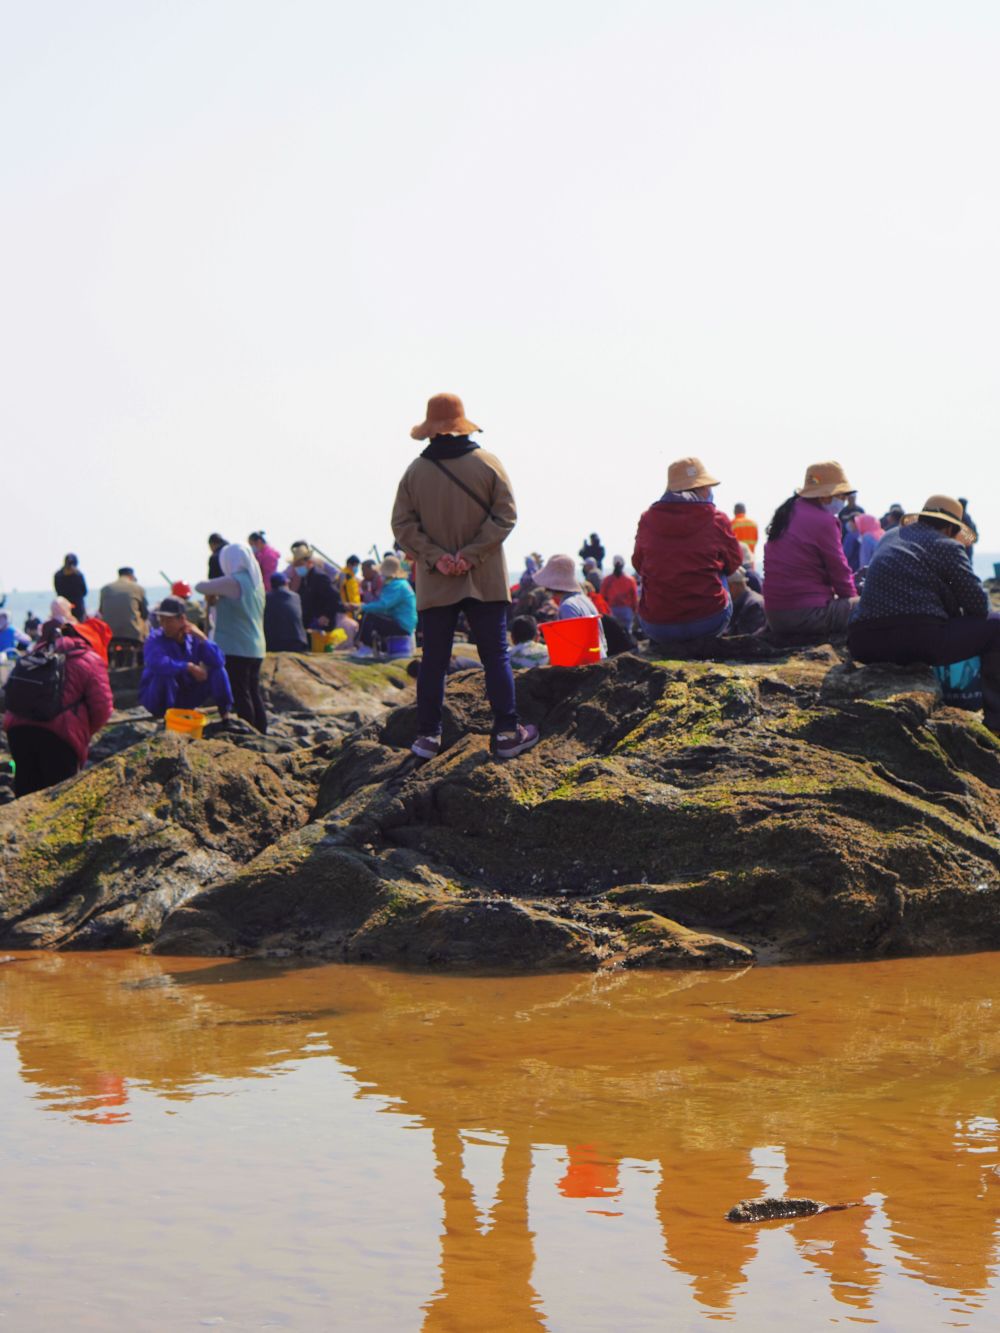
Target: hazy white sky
244,241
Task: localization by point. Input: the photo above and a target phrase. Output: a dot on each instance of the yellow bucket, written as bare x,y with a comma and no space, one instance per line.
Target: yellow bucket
325,640
186,721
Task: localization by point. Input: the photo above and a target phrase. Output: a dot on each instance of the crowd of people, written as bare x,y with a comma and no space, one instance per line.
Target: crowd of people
898,589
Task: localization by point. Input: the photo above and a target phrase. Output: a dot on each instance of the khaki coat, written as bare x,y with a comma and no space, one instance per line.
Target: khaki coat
123,606
433,517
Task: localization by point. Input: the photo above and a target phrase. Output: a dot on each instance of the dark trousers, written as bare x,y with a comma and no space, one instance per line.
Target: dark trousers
42,759
906,639
488,627
244,676
383,626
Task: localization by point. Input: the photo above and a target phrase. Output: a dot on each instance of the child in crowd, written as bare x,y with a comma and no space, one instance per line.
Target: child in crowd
527,649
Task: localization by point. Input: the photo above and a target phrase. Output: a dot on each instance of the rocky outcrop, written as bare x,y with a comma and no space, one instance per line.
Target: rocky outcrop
674,814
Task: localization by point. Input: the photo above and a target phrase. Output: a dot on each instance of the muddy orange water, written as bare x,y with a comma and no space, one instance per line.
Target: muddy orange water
191,1143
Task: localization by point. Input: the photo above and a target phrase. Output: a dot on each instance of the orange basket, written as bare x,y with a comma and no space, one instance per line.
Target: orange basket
575,642
186,721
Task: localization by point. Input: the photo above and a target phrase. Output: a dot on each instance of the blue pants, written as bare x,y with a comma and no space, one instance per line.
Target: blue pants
693,629
488,624
158,693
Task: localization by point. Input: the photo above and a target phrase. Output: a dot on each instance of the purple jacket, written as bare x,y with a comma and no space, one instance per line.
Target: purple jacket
806,566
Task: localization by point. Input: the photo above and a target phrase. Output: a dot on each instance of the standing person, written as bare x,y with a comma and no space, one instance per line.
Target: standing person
239,628
621,592
744,528
394,613
283,628
266,556
684,548
808,585
70,583
454,510
215,545
50,744
181,668
921,602
124,607
592,549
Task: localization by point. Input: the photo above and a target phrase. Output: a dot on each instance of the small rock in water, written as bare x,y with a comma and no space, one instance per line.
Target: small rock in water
759,1015
769,1210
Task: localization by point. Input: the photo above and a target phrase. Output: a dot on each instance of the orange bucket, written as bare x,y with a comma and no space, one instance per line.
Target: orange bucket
186,721
575,642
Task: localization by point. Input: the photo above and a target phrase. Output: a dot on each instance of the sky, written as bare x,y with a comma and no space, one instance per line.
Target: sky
244,242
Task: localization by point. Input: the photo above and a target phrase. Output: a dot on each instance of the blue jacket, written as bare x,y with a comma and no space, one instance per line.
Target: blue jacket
397,601
164,657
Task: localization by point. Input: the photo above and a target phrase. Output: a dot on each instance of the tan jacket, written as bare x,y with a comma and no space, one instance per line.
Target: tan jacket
123,606
433,517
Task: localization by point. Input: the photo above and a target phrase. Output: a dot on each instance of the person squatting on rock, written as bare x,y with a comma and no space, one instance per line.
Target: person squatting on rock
558,576
808,585
47,750
181,668
921,602
283,628
239,628
454,510
393,614
684,547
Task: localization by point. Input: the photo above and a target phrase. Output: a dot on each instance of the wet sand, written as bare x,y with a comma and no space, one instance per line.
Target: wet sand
194,1143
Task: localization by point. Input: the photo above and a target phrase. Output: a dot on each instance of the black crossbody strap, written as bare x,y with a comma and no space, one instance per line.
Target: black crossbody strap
462,486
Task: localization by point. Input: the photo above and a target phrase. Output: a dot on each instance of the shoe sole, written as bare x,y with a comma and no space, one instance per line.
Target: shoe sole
424,754
503,755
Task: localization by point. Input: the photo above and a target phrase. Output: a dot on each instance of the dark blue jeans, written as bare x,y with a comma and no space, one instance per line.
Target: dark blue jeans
488,625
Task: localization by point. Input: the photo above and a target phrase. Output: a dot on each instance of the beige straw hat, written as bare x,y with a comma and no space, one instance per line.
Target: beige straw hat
390,568
445,416
687,474
943,506
823,481
558,574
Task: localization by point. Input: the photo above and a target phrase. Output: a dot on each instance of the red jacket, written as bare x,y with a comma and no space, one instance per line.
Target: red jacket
86,691
681,550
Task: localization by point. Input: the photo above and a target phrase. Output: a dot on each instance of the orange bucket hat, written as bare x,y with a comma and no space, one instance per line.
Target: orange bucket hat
445,416
823,481
688,474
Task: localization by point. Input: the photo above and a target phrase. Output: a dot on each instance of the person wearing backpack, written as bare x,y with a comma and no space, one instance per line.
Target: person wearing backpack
58,697
454,510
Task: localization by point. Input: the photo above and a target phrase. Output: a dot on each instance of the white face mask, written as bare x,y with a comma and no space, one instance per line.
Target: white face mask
835,505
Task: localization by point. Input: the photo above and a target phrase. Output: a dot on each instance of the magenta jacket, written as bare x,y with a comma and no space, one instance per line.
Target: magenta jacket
806,566
268,559
86,691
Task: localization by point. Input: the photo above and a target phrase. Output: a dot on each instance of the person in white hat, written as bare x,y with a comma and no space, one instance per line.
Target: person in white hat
684,548
809,590
558,576
921,601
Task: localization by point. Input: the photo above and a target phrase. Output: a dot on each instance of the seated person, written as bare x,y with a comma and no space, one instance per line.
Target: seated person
921,602
11,639
393,614
284,631
558,577
748,606
684,547
527,648
809,590
371,581
317,591
182,669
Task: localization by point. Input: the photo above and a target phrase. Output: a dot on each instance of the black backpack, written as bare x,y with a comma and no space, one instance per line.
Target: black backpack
34,688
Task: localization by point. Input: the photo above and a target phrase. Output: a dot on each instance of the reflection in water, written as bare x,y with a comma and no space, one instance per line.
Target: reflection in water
353,1148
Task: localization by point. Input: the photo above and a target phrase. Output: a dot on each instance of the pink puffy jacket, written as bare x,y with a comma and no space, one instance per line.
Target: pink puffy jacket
87,701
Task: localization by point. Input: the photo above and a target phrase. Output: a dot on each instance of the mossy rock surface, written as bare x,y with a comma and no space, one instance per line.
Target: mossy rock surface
674,814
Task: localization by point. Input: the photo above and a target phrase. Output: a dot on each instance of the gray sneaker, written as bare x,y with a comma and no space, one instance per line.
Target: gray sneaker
508,744
426,747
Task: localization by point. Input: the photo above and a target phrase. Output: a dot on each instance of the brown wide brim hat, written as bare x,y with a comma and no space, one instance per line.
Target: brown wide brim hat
824,481
558,574
689,474
943,506
445,416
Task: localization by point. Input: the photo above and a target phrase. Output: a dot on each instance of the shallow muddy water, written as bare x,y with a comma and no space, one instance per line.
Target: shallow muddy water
190,1143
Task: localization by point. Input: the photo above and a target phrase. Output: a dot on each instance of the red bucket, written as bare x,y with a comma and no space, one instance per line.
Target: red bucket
575,642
